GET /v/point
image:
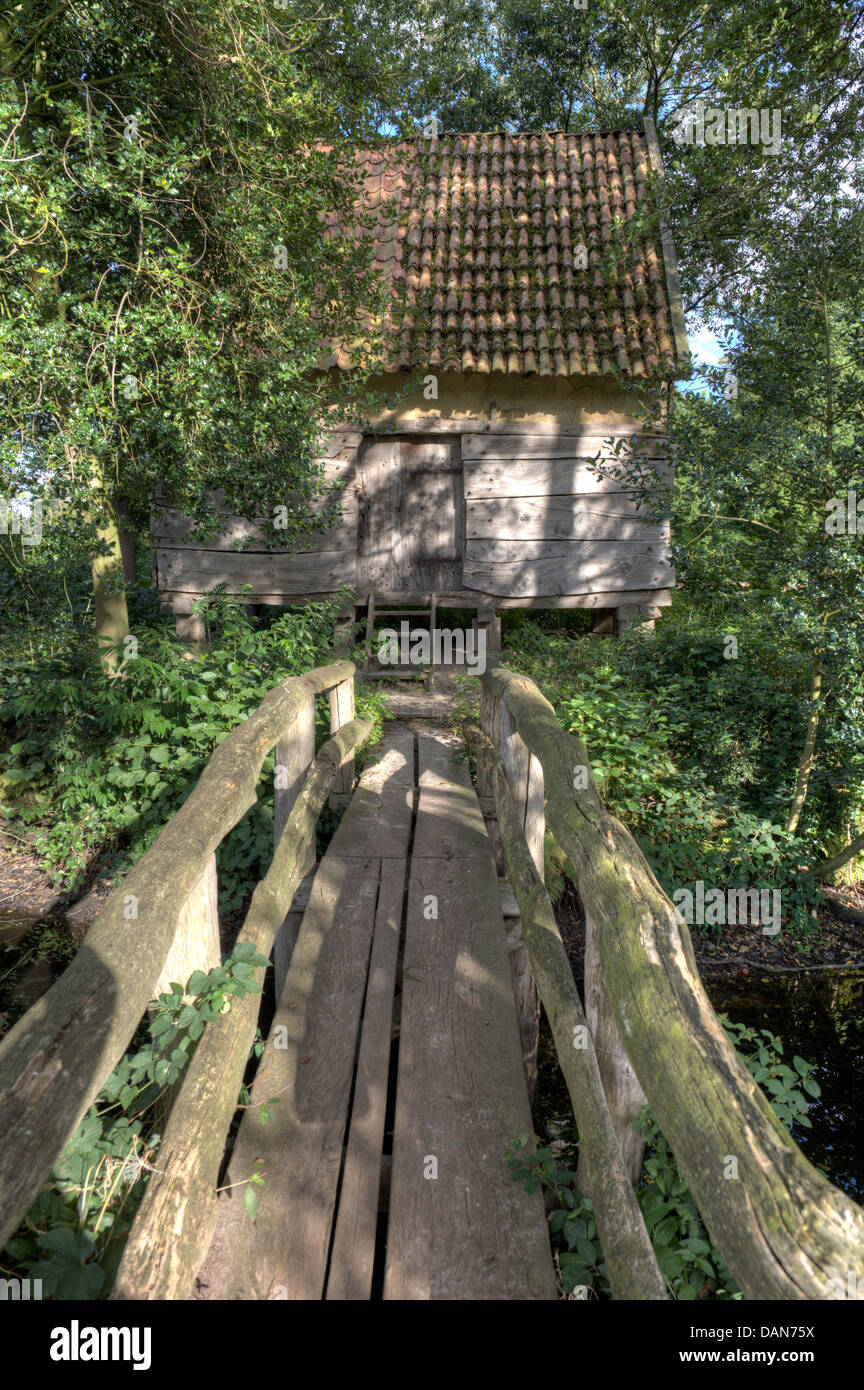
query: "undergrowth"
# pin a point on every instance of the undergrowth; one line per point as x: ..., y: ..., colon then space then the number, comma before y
x: 690, y: 1263
x: 73, y: 1236
x: 697, y: 754
x: 92, y: 769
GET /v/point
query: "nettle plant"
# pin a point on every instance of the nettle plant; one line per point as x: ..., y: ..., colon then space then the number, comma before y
x: 688, y: 1259
x: 72, y: 1238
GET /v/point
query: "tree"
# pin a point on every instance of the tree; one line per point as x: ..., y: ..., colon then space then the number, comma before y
x: 175, y: 190
x: 769, y: 478
x: 554, y: 64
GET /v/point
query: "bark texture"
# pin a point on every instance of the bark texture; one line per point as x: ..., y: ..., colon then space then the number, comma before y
x: 784, y: 1230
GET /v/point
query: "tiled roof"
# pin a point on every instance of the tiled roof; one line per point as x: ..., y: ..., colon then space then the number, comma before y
x: 481, y: 237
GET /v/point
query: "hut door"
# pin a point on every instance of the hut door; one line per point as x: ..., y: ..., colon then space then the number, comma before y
x: 410, y: 527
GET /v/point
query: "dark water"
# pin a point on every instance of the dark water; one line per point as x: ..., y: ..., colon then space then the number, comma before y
x: 33, y: 952
x: 819, y: 1017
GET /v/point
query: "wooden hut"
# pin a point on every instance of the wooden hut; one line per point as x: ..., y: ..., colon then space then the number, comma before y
x: 530, y: 321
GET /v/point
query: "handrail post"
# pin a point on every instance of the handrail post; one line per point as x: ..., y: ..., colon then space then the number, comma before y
x: 295, y: 753
x: 196, y: 944
x: 624, y: 1095
x: 341, y: 699
x: 489, y: 718
x: 525, y: 779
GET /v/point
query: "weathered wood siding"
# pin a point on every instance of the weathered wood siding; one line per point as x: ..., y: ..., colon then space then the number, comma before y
x: 542, y: 519
x: 188, y: 568
x: 511, y: 513
x: 410, y: 532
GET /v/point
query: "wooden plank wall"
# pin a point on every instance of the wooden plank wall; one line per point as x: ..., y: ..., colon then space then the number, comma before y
x: 540, y: 520
x: 541, y: 527
x: 409, y: 534
x: 190, y: 568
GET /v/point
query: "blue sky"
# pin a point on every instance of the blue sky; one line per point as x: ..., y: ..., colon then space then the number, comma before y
x: 705, y: 349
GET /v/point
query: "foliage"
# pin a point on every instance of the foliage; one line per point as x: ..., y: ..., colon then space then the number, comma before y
x: 72, y: 1238
x: 770, y: 471
x: 554, y: 65
x: 696, y: 760
x: 690, y: 1263
x: 153, y: 335
x: 96, y: 767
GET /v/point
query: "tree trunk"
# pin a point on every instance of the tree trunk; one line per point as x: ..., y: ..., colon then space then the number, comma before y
x: 109, y: 591
x: 830, y: 866
x: 805, y: 766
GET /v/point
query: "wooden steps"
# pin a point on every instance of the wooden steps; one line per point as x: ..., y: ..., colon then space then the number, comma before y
x: 460, y: 1098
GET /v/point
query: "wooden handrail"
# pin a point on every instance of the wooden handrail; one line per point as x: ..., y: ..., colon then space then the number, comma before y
x: 783, y: 1229
x: 55, y: 1060
x: 174, y: 1224
x: 630, y: 1260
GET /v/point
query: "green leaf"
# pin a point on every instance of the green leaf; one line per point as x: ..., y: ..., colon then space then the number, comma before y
x: 585, y: 1250
x: 666, y: 1232
x: 670, y: 1262
x: 63, y: 1240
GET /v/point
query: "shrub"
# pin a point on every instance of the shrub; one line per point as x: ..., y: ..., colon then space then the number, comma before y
x: 96, y: 767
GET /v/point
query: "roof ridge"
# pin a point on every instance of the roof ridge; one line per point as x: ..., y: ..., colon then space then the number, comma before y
x: 387, y: 141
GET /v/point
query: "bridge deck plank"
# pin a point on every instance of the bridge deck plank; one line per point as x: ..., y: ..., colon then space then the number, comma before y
x: 461, y: 1096
x: 469, y: 1232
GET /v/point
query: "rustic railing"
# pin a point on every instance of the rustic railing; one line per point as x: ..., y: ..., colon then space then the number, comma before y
x: 783, y: 1229
x: 160, y: 924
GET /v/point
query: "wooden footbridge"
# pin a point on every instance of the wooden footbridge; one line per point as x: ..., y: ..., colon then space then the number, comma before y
x: 399, y: 1063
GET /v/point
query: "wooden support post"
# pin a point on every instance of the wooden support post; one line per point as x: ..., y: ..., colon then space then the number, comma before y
x: 343, y: 634
x: 196, y: 943
x: 295, y: 752
x: 525, y: 779
x: 489, y: 622
x: 624, y: 1095
x: 628, y: 613
x: 489, y: 717
x: 190, y: 628
x: 342, y: 712
x: 603, y: 624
